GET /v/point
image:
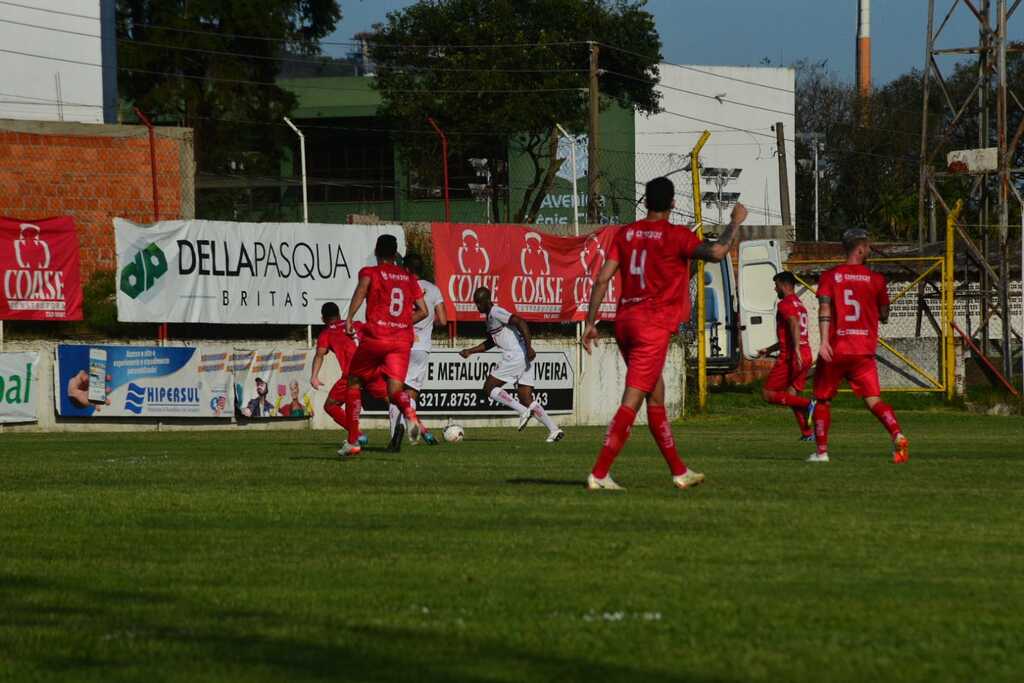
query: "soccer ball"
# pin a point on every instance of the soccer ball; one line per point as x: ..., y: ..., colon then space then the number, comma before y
x: 454, y: 433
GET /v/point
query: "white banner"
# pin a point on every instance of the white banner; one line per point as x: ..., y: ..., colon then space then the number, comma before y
x: 225, y: 272
x: 19, y: 387
x: 273, y: 383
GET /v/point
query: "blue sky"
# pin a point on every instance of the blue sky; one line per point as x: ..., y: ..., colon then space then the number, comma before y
x: 742, y: 32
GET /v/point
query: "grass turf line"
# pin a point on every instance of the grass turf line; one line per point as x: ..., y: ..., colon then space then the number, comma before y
x: 260, y: 556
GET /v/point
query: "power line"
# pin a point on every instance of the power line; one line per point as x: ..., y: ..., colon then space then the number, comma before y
x: 50, y: 11
x: 720, y: 100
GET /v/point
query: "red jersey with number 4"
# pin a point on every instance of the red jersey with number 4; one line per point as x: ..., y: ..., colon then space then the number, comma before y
x: 791, y: 307
x: 857, y: 294
x: 389, y: 300
x: 336, y: 340
x: 654, y: 260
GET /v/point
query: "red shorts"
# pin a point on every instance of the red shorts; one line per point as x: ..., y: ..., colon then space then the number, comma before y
x: 377, y: 388
x: 860, y: 371
x: 644, y: 348
x: 783, y: 376
x: 376, y: 357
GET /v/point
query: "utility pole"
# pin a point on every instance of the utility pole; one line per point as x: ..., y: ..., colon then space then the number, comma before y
x: 787, y: 218
x: 593, y: 163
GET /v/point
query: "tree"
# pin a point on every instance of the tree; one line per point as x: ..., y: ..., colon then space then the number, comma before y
x: 508, y: 72
x: 210, y: 64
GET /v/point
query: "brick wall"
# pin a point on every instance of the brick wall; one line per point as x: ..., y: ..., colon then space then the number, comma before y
x: 93, y: 173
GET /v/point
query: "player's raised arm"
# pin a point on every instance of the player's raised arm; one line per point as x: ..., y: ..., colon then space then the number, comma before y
x: 717, y: 251
x: 358, y: 297
x: 604, y: 277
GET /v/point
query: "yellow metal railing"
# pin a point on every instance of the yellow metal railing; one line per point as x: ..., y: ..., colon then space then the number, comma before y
x: 698, y: 219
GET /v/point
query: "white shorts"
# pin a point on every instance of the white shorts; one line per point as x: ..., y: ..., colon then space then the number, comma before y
x: 514, y: 367
x: 416, y: 377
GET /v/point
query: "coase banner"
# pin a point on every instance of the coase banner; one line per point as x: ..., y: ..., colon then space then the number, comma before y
x: 39, y: 270
x: 454, y: 385
x: 19, y: 387
x: 142, y: 381
x: 226, y: 272
x: 534, y: 275
x: 273, y: 383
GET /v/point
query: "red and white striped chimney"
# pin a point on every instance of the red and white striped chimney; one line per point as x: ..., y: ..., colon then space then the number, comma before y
x: 864, y: 47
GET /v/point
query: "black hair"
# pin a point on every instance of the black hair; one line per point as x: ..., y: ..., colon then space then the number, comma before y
x: 414, y: 263
x: 786, y: 277
x: 659, y: 194
x: 387, y: 247
x: 330, y: 310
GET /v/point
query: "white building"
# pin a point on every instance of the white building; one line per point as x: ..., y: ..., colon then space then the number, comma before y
x: 59, y: 60
x: 739, y: 106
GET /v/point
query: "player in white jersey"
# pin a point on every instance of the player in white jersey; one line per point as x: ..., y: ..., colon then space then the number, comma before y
x: 420, y: 354
x: 511, y: 334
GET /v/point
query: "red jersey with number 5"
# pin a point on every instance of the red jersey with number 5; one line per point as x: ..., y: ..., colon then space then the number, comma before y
x: 791, y: 307
x: 857, y: 294
x: 654, y: 260
x: 389, y: 300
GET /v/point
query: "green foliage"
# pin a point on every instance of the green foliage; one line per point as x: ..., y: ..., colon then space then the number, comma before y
x: 533, y: 47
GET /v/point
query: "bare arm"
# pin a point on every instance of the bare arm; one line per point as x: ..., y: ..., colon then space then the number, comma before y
x: 883, y: 314
x: 768, y: 350
x: 318, y: 362
x: 604, y: 277
x: 419, y: 310
x: 485, y: 345
x: 717, y: 251
x: 524, y: 330
x: 825, y: 326
x: 358, y: 297
x: 440, y: 316
x: 793, y: 328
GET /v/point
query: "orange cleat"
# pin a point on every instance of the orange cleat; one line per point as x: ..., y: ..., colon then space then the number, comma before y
x: 901, y: 450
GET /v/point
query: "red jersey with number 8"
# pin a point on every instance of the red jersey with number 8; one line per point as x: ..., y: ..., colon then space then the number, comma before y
x: 857, y: 295
x: 389, y: 301
x: 654, y: 260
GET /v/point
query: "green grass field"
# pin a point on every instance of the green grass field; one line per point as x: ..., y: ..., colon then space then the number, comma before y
x: 260, y: 556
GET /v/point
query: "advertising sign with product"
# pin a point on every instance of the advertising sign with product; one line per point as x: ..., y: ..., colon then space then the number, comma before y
x: 39, y: 275
x: 454, y: 385
x: 19, y: 387
x: 225, y: 272
x: 273, y: 383
x: 534, y: 275
x: 142, y: 381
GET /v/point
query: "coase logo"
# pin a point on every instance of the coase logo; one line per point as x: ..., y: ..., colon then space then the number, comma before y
x: 142, y: 273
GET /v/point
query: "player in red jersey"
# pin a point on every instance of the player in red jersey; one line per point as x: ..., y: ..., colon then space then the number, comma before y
x: 334, y: 339
x: 853, y: 299
x: 394, y: 302
x: 655, y: 256
x: 788, y: 376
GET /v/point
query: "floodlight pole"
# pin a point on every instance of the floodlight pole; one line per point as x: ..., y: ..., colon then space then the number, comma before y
x: 305, y: 203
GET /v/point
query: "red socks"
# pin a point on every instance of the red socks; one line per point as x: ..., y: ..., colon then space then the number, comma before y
x: 353, y: 406
x: 784, y: 398
x: 337, y: 413
x: 661, y: 430
x: 801, y: 421
x: 883, y: 411
x: 401, y: 400
x: 614, y: 440
x: 822, y: 422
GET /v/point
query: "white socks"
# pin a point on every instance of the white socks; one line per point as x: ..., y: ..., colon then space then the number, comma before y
x: 394, y: 415
x: 503, y: 397
x: 544, y: 418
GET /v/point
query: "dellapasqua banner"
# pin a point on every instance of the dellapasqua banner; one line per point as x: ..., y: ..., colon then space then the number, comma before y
x: 142, y: 381
x: 39, y: 275
x: 273, y: 383
x: 226, y: 272
x: 19, y: 387
x: 534, y: 275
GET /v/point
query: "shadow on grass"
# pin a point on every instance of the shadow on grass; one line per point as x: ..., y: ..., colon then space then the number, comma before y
x: 546, y: 482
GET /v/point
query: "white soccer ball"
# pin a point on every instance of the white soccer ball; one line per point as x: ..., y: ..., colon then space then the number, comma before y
x: 454, y: 433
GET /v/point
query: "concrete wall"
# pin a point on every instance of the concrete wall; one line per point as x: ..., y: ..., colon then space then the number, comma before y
x: 599, y: 388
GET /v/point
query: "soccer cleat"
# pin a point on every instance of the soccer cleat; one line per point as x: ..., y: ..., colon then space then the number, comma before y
x: 808, y: 438
x: 817, y: 457
x: 688, y: 479
x: 901, y: 450
x: 363, y: 439
x: 555, y: 436
x: 810, y: 411
x: 348, y: 449
x: 525, y: 417
x: 606, y: 484
x: 395, y: 445
x: 427, y: 437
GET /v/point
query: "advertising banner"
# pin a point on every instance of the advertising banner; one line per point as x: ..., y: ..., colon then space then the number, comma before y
x: 142, y: 381
x: 273, y: 383
x: 39, y: 276
x: 226, y: 272
x: 19, y: 387
x: 454, y: 385
x: 534, y: 275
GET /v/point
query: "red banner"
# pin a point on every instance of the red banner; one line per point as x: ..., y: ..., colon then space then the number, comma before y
x: 39, y: 276
x: 534, y: 275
